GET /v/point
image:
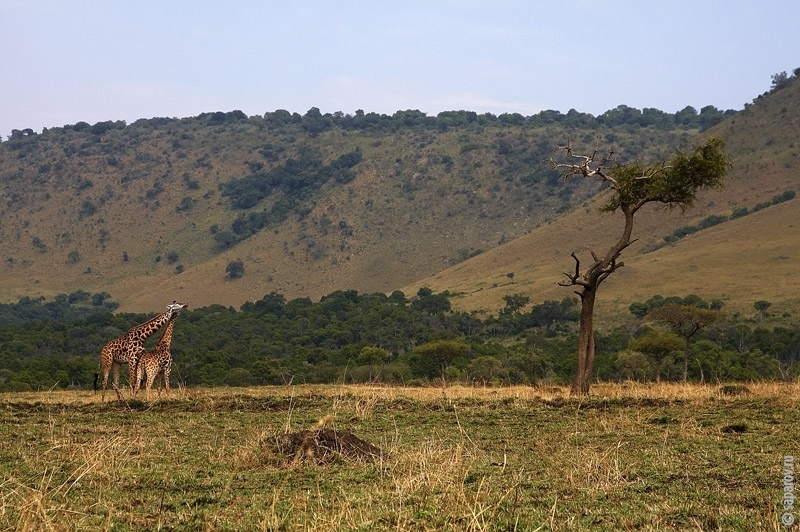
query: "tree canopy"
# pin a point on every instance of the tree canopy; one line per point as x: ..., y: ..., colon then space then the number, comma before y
x: 674, y: 184
x: 354, y: 337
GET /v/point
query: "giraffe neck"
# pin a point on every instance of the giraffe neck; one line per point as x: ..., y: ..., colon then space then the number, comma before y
x: 166, y: 338
x: 147, y: 329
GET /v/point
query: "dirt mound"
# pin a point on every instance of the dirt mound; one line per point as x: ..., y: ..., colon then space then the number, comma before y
x: 325, y: 445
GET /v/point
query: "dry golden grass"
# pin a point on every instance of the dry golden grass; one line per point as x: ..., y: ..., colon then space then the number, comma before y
x: 630, y: 457
x: 363, y: 399
x: 739, y: 261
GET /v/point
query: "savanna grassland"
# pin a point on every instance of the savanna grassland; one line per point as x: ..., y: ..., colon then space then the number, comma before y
x: 630, y: 457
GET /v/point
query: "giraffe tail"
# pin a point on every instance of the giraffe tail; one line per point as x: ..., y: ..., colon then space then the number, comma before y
x: 96, y: 378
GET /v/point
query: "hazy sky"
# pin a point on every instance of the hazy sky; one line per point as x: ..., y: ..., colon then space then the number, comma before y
x: 66, y: 61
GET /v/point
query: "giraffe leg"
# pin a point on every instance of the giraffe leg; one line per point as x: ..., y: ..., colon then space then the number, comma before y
x: 115, y: 367
x: 167, y: 371
x: 106, y: 361
x: 106, y: 371
x: 151, y: 376
x: 132, y: 373
x: 139, y: 376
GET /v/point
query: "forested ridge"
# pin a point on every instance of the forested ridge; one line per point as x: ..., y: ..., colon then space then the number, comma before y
x: 353, y: 337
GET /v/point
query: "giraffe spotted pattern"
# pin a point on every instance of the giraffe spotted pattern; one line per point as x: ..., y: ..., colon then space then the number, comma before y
x: 128, y: 348
x: 151, y: 363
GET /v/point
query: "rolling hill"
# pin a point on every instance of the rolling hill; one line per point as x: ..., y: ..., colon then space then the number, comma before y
x: 158, y: 209
x: 746, y: 258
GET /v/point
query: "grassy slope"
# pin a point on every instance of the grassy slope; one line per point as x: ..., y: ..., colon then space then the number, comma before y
x: 409, y: 217
x: 739, y: 261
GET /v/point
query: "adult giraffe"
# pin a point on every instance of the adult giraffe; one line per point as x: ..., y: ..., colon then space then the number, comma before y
x: 151, y: 363
x: 128, y: 348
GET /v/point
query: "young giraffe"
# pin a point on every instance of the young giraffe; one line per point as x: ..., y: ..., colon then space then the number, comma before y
x: 128, y: 348
x: 153, y: 362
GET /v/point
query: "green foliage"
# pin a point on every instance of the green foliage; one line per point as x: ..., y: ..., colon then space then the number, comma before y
x: 514, y: 302
x: 64, y: 308
x: 781, y: 80
x: 87, y: 209
x: 485, y: 369
x: 298, y: 180
x: 631, y: 365
x: 431, y: 303
x: 352, y: 337
x: 641, y: 309
x: 761, y: 306
x: 39, y: 244
x: 688, y: 117
x: 432, y: 359
x: 224, y: 239
x: 675, y: 183
x: 235, y: 269
x: 658, y: 345
x: 551, y: 312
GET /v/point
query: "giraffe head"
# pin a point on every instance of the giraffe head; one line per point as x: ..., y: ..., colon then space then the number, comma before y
x: 174, y: 308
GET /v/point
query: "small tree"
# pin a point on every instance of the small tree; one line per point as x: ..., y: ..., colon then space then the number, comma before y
x: 431, y: 303
x: 484, y: 369
x: 657, y: 345
x: 444, y: 351
x: 780, y: 80
x: 235, y: 269
x: 514, y: 303
x: 761, y: 306
x: 675, y: 184
x: 686, y: 321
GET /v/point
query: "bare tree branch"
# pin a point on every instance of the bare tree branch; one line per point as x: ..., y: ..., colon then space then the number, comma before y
x: 575, y: 279
x: 586, y: 165
x: 654, y: 171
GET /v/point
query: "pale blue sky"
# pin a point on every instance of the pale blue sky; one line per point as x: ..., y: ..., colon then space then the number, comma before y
x: 63, y: 61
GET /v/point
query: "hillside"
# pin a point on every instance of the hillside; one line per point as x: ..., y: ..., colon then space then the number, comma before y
x: 159, y: 209
x: 744, y: 259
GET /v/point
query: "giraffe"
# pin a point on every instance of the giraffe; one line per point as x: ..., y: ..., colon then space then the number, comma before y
x: 151, y: 363
x: 128, y: 348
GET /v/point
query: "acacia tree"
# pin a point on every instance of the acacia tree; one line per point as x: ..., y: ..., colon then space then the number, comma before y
x: 761, y: 306
x: 685, y: 320
x: 658, y: 345
x: 443, y: 351
x: 674, y: 184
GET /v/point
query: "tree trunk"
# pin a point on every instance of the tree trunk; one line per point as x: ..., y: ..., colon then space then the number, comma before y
x: 686, y: 359
x: 583, y: 374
